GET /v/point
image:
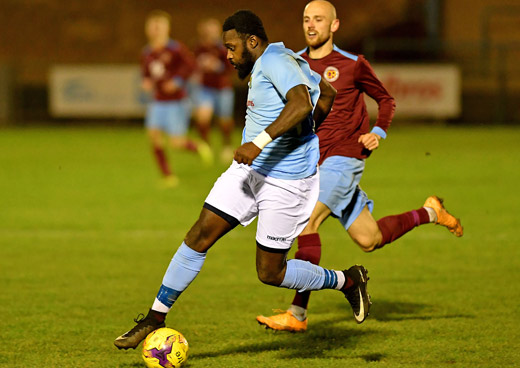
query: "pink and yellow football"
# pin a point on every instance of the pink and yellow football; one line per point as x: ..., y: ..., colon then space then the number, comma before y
x: 165, y: 348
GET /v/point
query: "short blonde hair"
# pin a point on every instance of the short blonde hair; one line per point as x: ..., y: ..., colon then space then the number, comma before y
x: 159, y: 14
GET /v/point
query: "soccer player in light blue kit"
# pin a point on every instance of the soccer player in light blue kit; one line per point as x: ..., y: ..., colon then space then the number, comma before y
x: 273, y: 176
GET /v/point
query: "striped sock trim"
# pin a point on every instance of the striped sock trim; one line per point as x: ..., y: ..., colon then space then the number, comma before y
x: 416, y: 218
x: 331, y: 279
x: 167, y: 296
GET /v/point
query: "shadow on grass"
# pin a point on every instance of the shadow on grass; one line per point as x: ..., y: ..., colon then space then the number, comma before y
x: 318, y: 342
x: 325, y: 336
x: 374, y: 357
x: 386, y: 310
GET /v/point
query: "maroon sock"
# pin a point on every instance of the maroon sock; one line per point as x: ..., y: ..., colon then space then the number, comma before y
x: 204, y: 130
x: 190, y: 145
x: 226, y: 139
x: 309, y: 249
x: 393, y: 227
x: 158, y: 316
x: 162, y: 161
x: 226, y: 129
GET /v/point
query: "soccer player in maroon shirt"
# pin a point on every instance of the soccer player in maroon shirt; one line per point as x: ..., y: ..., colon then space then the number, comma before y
x: 214, y: 94
x: 345, y: 142
x: 166, y: 66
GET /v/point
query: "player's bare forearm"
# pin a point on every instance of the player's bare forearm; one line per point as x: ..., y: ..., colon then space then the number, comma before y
x: 324, y: 104
x: 297, y: 108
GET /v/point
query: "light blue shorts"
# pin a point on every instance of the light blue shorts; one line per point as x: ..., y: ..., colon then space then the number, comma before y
x: 221, y: 100
x: 340, y: 190
x: 171, y: 117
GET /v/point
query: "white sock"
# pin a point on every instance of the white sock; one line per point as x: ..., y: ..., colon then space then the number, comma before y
x: 431, y: 213
x: 298, y: 312
x: 341, y: 280
x: 160, y: 307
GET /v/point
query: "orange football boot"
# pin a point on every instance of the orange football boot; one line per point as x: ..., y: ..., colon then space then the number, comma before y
x: 283, y: 322
x: 444, y: 218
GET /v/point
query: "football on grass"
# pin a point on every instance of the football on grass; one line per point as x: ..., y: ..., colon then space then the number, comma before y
x: 165, y: 348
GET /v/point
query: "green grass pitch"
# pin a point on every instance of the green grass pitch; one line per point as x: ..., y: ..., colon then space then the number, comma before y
x: 86, y: 235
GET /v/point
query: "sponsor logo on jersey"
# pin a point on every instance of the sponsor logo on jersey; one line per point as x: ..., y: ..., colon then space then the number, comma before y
x: 276, y: 238
x: 250, y: 103
x: 331, y: 74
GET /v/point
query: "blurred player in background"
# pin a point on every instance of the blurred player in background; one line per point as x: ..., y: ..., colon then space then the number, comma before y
x: 214, y: 95
x: 166, y: 66
x: 273, y: 176
x: 345, y: 142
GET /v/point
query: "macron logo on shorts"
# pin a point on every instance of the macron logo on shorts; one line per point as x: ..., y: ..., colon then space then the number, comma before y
x: 276, y: 238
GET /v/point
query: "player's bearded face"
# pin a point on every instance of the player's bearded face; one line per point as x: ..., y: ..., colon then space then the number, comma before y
x: 317, y: 34
x: 245, y: 64
x: 238, y: 54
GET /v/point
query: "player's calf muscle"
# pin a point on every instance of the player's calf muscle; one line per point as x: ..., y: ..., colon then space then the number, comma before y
x: 196, y: 240
x: 270, y: 267
x: 270, y: 277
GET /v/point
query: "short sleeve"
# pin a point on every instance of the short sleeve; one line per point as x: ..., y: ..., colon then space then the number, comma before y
x: 283, y: 71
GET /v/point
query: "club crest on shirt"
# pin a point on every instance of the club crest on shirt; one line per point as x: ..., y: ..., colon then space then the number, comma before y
x: 331, y: 74
x: 157, y: 69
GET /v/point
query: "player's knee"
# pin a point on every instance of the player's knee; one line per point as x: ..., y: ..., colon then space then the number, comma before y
x: 311, y: 228
x: 367, y: 243
x: 157, y: 143
x: 178, y: 142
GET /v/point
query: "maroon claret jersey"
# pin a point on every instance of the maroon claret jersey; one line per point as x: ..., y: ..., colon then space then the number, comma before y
x: 220, y: 78
x: 174, y: 61
x: 352, y: 76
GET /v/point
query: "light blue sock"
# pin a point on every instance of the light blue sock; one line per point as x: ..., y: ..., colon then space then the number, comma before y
x: 184, y: 267
x: 303, y: 275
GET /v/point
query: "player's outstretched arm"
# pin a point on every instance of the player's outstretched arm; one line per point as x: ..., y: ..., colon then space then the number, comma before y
x: 297, y: 108
x: 324, y: 104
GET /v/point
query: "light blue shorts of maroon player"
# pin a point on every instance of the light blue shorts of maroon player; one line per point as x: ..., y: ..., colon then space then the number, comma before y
x: 340, y: 190
x: 171, y: 117
x: 222, y: 101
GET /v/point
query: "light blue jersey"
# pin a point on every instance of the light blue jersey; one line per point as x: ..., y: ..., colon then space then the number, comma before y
x: 295, y: 154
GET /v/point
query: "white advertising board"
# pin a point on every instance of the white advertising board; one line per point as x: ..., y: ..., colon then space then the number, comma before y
x: 420, y: 90
x: 96, y: 91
